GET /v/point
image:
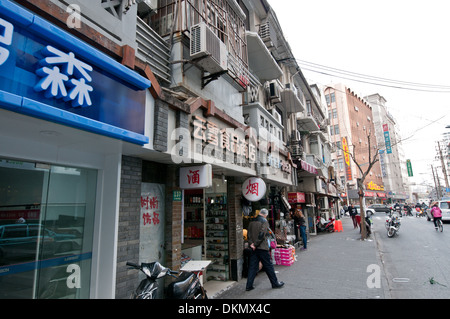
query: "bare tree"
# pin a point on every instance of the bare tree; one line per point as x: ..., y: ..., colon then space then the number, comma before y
x: 373, y: 158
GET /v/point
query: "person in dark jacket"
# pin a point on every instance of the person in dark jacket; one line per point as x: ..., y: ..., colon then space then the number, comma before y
x: 258, y: 234
x: 300, y: 226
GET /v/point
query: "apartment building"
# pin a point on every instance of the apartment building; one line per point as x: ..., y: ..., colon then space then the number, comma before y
x: 353, y: 132
x: 144, y: 132
x: 392, y: 158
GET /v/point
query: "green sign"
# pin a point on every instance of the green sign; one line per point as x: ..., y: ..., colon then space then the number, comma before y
x: 177, y: 196
x: 409, y: 168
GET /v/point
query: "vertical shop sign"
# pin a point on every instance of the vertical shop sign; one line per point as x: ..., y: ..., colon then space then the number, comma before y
x: 151, y: 235
x: 387, y: 139
x: 409, y: 168
x: 348, y: 169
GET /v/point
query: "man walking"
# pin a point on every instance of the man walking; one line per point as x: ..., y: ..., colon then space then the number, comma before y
x: 258, y: 233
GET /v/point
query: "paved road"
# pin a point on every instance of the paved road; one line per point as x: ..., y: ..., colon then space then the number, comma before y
x: 414, y: 264
x: 417, y: 261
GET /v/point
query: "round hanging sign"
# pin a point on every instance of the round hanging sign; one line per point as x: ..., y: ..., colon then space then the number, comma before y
x: 253, y: 189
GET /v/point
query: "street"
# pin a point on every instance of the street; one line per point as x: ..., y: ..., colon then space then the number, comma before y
x: 413, y: 264
x: 417, y: 261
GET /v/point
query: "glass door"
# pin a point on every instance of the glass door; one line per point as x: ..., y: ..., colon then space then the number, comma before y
x: 46, y: 230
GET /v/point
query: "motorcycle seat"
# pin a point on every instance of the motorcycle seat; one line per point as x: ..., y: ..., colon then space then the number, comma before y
x: 179, y: 288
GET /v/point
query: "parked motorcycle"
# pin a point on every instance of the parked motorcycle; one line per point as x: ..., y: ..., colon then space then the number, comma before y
x: 186, y: 286
x: 393, y: 225
x: 325, y: 226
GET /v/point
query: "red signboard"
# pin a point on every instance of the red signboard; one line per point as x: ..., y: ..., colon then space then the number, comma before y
x: 296, y: 198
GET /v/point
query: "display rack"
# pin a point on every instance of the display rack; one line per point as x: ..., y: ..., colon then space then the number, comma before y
x: 194, y: 233
x: 216, y: 222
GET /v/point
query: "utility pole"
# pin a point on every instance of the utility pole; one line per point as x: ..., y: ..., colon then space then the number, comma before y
x: 438, y: 191
x: 444, y: 171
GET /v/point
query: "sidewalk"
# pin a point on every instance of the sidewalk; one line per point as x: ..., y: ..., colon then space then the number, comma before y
x: 335, y: 266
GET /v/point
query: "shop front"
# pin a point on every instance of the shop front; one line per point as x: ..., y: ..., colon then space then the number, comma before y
x: 64, y: 121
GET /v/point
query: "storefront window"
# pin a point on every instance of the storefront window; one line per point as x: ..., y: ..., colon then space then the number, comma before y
x: 46, y: 230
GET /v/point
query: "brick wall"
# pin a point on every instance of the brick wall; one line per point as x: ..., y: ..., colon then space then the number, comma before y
x: 173, y: 221
x: 161, y: 125
x: 129, y: 222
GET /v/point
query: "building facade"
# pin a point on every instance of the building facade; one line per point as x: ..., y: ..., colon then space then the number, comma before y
x: 132, y: 132
x: 392, y: 159
x: 353, y: 135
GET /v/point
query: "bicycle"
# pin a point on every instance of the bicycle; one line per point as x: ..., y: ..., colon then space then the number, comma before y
x: 439, y: 225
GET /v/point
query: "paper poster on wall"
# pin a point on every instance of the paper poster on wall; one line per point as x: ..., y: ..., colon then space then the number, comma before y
x: 151, y: 235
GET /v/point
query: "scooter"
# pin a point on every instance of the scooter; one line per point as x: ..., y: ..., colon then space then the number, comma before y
x: 393, y: 225
x: 186, y: 286
x: 327, y: 226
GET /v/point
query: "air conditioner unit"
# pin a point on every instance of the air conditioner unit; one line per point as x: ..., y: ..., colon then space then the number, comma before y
x: 275, y: 91
x: 276, y: 115
x: 146, y: 5
x: 291, y: 86
x: 205, y: 45
x: 296, y: 135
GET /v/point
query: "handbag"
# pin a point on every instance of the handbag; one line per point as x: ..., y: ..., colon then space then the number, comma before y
x: 272, y: 240
x: 273, y: 243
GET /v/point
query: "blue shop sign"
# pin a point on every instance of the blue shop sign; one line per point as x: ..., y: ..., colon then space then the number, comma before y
x: 47, y: 73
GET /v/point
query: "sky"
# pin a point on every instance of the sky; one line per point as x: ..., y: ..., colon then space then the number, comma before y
x: 396, y: 40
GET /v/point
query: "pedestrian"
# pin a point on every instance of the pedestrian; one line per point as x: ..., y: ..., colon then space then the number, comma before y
x: 258, y: 234
x: 300, y: 225
x: 352, y: 212
x: 436, y: 213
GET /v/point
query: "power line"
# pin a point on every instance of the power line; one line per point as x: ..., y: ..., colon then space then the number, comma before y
x: 358, y: 77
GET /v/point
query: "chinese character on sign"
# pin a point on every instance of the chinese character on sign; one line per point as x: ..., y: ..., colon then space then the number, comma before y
x: 199, y: 128
x: 193, y: 177
x: 148, y: 219
x: 64, y: 76
x: 5, y: 39
x: 149, y: 203
x: 252, y: 188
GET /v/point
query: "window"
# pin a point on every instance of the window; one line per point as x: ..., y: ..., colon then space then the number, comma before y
x: 333, y: 98
x: 341, y: 164
x: 335, y: 113
x: 336, y: 129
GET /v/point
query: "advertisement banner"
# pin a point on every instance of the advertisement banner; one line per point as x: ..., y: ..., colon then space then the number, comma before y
x: 348, y: 169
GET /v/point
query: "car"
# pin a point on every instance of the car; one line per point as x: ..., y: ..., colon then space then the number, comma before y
x: 369, y: 211
x: 18, y: 242
x: 444, y: 205
x: 380, y: 208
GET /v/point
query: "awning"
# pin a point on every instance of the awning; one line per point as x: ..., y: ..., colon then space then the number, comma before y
x: 261, y: 62
x: 308, y: 167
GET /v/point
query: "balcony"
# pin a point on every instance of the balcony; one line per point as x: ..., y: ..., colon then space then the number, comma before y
x: 261, y: 62
x: 292, y: 99
x: 307, y: 122
x: 264, y: 122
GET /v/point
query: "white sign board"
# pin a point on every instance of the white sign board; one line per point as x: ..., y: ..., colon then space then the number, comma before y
x: 196, y: 177
x: 253, y: 189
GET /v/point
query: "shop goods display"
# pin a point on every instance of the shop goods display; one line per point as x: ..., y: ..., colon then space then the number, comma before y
x: 284, y: 256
